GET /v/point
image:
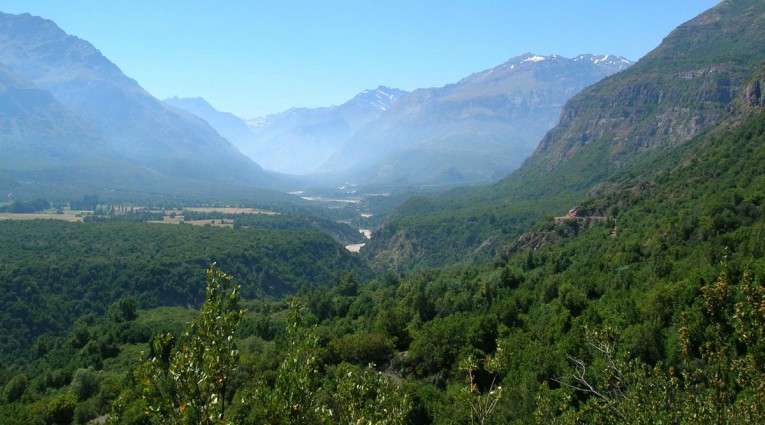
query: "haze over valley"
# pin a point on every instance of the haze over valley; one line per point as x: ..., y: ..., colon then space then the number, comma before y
x: 533, y: 237
x: 473, y: 131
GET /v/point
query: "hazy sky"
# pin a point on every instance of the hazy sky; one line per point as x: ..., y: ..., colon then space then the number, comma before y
x: 257, y: 57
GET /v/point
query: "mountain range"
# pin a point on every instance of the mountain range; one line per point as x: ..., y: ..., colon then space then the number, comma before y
x: 682, y: 93
x: 81, y: 121
x: 297, y: 140
x: 79, y: 124
x: 615, y: 277
x: 475, y: 130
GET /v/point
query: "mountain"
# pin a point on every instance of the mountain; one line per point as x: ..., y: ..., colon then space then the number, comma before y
x: 136, y: 128
x: 50, y: 151
x: 675, y: 95
x: 676, y: 92
x: 298, y: 140
x: 475, y: 130
x: 38, y: 131
x: 231, y: 127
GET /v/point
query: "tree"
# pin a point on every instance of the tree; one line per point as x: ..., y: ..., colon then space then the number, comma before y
x: 298, y: 396
x: 15, y: 388
x: 189, y: 384
x: 60, y: 410
x: 482, y: 404
x: 722, y: 379
x: 364, y: 396
x: 291, y: 400
x: 85, y: 384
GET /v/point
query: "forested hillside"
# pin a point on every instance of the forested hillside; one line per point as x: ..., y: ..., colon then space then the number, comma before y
x: 619, y: 277
x: 653, y: 281
x: 53, y: 272
x: 682, y: 88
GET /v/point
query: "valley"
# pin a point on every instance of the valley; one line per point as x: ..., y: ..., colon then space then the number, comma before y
x: 550, y: 240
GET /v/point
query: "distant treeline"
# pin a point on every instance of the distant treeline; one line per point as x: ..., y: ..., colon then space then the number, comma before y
x: 22, y: 207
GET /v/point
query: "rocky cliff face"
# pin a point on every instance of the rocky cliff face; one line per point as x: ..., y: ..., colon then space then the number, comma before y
x: 631, y: 114
x: 676, y: 92
x: 753, y: 95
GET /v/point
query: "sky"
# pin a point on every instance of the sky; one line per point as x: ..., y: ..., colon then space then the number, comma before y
x: 253, y: 57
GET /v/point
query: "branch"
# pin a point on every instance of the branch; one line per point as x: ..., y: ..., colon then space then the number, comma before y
x: 586, y: 387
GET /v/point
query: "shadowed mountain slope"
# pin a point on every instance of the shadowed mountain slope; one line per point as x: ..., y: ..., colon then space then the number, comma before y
x: 134, y: 126
x: 38, y: 131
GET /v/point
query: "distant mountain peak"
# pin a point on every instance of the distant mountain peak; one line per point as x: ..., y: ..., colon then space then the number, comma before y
x: 380, y: 98
x: 534, y: 58
x: 194, y: 103
x: 257, y: 123
x: 609, y: 60
x: 530, y: 61
x: 380, y: 89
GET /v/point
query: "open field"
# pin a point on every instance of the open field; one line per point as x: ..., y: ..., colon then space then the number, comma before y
x: 71, y: 216
x: 178, y: 219
x: 170, y: 217
x: 228, y: 210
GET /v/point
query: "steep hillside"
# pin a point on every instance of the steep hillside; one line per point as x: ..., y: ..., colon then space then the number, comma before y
x: 683, y: 87
x: 475, y: 130
x: 675, y: 92
x: 48, y: 151
x: 37, y: 130
x: 135, y: 126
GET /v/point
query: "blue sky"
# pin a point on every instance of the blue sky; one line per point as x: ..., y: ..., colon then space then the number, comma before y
x: 257, y: 57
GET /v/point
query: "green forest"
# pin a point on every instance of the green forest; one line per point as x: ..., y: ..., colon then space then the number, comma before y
x: 646, y: 304
x: 617, y: 277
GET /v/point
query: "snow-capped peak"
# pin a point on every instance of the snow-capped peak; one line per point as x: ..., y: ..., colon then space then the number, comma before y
x: 534, y: 58
x: 380, y: 98
x: 611, y: 61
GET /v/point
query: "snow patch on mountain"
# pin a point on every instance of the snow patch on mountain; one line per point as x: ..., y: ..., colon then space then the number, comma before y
x: 612, y: 61
x: 535, y: 58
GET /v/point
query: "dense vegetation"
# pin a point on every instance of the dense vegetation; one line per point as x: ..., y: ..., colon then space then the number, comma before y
x: 645, y: 303
x: 53, y: 272
x: 656, y: 281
